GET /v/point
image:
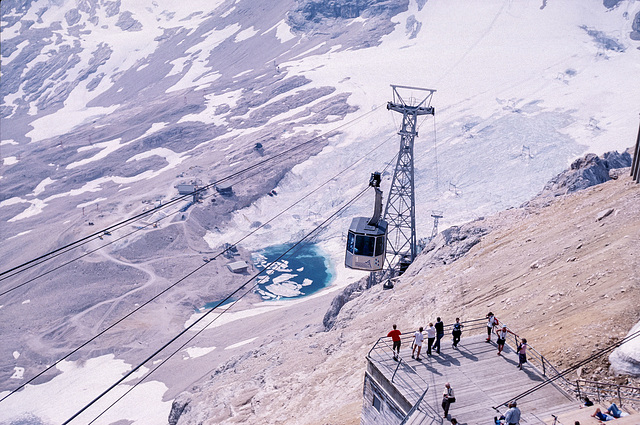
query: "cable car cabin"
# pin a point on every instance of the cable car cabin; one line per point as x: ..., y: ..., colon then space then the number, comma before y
x: 366, y: 245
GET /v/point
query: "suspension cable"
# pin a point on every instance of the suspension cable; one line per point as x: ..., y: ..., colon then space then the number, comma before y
x: 353, y: 164
x: 40, y: 259
x: 109, y: 243
x: 188, y: 328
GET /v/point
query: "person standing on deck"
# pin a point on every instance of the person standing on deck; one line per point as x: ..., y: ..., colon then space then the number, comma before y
x: 491, y: 323
x: 439, y: 334
x: 395, y: 337
x: 522, y: 353
x: 502, y: 338
x: 417, y: 343
x: 431, y: 336
x: 448, y: 397
x: 456, y: 332
x: 512, y: 417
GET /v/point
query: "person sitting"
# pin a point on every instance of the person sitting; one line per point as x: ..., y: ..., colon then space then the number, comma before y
x: 587, y: 402
x: 602, y: 416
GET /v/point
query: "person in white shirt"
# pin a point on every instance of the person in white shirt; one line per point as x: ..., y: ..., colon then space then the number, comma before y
x: 431, y: 336
x: 417, y: 343
x: 512, y: 417
x: 502, y: 338
x: 492, y: 321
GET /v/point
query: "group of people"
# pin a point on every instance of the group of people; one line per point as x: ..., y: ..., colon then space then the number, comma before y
x: 435, y: 333
x: 613, y: 412
x: 493, y: 325
x: 434, y: 336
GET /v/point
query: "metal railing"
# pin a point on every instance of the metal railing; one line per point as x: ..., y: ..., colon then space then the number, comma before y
x: 603, y: 391
x: 381, y: 354
x: 414, y: 408
x: 540, y: 362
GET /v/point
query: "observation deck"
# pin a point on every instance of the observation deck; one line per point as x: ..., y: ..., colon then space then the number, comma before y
x: 408, y: 391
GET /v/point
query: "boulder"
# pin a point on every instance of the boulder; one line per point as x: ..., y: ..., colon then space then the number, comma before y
x: 626, y: 358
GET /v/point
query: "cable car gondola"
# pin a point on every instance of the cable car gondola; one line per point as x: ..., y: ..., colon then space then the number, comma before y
x: 367, y: 237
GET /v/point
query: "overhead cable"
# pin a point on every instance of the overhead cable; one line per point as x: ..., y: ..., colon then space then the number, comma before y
x: 188, y: 328
x: 142, y: 305
x: 44, y: 257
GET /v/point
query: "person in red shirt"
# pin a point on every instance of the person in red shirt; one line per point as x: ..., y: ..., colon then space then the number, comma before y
x: 395, y: 337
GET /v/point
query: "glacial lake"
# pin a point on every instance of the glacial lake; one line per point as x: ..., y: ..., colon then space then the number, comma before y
x: 303, y: 271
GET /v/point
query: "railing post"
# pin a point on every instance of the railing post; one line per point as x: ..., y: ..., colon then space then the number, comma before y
x: 578, y: 388
x: 544, y: 371
x: 394, y: 372
x: 619, y: 398
x: 598, y: 392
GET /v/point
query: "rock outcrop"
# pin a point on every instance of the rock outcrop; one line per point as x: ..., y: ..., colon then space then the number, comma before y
x: 626, y: 358
x: 352, y: 291
x: 179, y: 406
x: 587, y: 171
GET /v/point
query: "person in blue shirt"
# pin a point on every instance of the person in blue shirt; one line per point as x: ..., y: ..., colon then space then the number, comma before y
x: 456, y: 332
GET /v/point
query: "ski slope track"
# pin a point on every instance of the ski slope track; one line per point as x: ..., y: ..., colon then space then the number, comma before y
x: 107, y: 106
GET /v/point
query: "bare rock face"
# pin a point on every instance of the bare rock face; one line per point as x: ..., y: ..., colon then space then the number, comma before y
x: 453, y: 243
x: 179, y: 406
x: 587, y: 171
x: 635, y: 34
x: 349, y: 293
x: 316, y: 10
x: 329, y: 16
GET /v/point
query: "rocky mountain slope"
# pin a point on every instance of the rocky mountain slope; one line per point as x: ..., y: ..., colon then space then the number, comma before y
x: 564, y: 273
x: 107, y: 105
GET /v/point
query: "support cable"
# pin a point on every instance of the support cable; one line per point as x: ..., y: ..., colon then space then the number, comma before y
x: 51, y: 254
x: 188, y: 328
x: 353, y: 164
x: 435, y: 152
x: 126, y: 235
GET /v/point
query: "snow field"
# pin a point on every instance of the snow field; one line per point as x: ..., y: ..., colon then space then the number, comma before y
x: 82, y: 382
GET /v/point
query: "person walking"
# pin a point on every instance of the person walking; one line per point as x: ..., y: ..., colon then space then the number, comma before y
x: 439, y: 334
x: 456, y: 332
x: 431, y: 336
x: 492, y: 322
x: 395, y: 337
x: 417, y: 343
x: 522, y: 353
x: 448, y: 397
x: 512, y: 417
x: 502, y: 338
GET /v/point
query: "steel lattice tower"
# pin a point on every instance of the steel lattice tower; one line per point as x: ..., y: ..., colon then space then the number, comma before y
x: 400, y: 211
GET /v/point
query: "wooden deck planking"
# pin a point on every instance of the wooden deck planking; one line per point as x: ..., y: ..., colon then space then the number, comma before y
x: 480, y: 378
